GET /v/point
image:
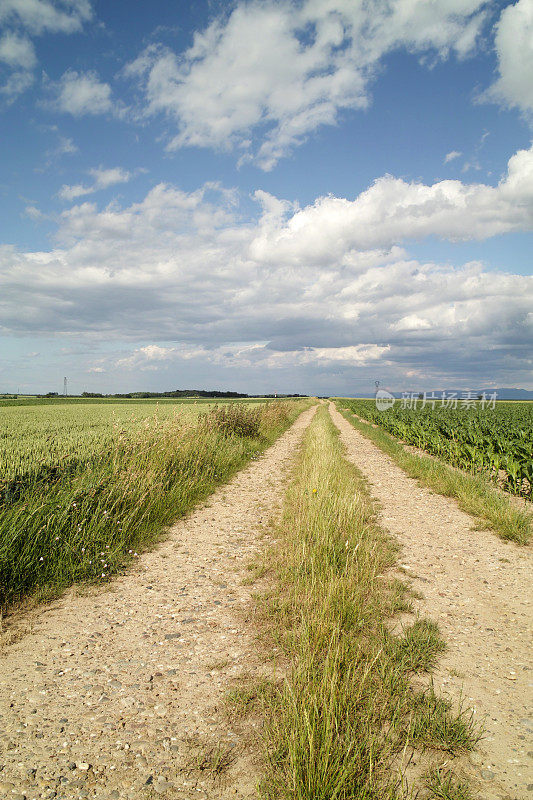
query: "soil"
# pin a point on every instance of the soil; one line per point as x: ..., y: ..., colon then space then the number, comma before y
x: 479, y: 590
x: 120, y: 693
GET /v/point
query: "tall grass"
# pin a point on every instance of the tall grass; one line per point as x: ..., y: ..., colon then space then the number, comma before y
x: 347, y: 708
x: 84, y: 520
x: 473, y: 493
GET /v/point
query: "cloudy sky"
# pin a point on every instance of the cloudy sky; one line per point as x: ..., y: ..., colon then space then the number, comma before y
x: 301, y: 196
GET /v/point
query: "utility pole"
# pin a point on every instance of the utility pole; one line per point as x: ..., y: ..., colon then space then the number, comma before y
x: 64, y: 387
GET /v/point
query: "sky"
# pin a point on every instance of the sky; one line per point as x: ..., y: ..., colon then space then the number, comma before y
x: 273, y: 196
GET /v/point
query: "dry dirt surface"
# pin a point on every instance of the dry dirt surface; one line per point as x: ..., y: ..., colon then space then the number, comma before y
x: 478, y: 588
x: 118, y: 692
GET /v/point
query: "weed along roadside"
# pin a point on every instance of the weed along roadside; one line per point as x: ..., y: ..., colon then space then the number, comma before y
x: 348, y: 714
x: 85, y: 520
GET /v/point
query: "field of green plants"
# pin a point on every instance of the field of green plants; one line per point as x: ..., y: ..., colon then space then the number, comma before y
x: 42, y: 435
x: 82, y: 486
x: 497, y: 442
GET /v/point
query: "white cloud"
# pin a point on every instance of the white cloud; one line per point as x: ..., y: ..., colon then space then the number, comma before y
x: 33, y: 17
x: 514, y: 46
x: 328, y: 285
x: 452, y: 155
x: 66, y: 146
x: 247, y: 355
x: 80, y: 93
x: 103, y: 179
x: 277, y: 71
x: 18, y: 54
x: 393, y: 209
x: 144, y: 357
x: 40, y: 16
x: 34, y: 213
x: 16, y: 84
x: 17, y: 51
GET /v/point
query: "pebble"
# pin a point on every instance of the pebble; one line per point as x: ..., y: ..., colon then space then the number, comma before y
x: 487, y: 774
x: 82, y: 765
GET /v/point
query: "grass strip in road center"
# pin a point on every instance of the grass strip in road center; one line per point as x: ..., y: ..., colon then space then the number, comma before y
x: 347, y: 712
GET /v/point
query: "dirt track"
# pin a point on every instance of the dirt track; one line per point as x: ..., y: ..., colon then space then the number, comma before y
x: 119, y: 693
x: 478, y: 588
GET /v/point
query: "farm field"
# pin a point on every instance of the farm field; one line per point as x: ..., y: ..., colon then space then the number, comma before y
x: 38, y: 434
x: 83, y: 486
x: 497, y: 443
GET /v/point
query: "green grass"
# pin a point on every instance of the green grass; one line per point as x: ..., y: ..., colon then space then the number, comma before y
x: 347, y: 708
x: 83, y: 518
x: 473, y: 493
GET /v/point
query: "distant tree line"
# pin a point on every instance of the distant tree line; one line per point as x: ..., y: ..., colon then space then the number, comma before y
x: 175, y: 393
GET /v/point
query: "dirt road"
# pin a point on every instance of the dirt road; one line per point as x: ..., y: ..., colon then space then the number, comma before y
x: 119, y: 693
x: 479, y: 589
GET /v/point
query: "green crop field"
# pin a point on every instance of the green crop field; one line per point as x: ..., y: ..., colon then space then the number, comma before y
x: 84, y: 484
x: 37, y: 435
x: 497, y: 442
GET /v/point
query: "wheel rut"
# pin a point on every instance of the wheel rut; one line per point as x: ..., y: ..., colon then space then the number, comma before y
x: 478, y: 588
x: 118, y: 692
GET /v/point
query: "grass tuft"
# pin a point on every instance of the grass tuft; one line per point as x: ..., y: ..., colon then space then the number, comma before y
x: 443, y: 785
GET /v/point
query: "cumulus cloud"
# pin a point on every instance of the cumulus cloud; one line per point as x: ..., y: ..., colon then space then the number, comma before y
x: 15, y: 84
x: 269, y: 74
x: 103, y: 179
x: 257, y: 355
x: 331, y: 284
x: 33, y: 17
x: 81, y: 93
x: 40, y: 16
x: 17, y: 51
x: 393, y: 209
x: 18, y: 55
x: 147, y: 357
x: 514, y: 47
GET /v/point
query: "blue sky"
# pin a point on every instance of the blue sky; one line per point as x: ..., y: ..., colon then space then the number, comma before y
x: 266, y: 196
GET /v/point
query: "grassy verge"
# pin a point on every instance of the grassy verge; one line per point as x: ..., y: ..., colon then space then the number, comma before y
x: 472, y: 492
x: 337, y: 725
x: 87, y: 521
